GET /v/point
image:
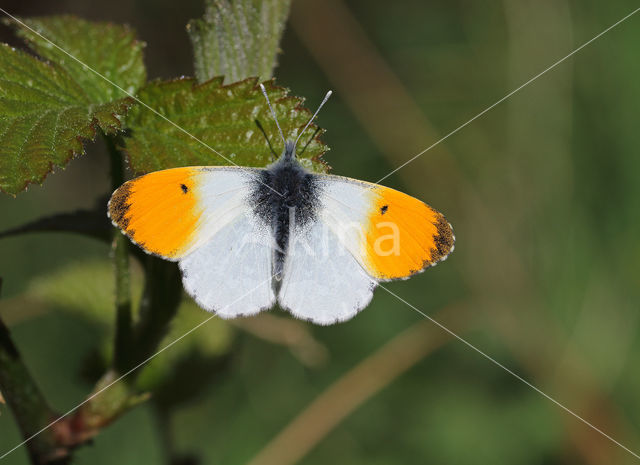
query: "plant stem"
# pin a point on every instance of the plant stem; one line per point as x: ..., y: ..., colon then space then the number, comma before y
x: 26, y: 401
x: 159, y: 303
x: 120, y: 249
x: 160, y: 300
x: 114, y: 397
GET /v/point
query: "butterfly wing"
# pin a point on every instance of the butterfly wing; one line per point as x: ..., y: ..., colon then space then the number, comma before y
x: 391, y: 234
x: 231, y: 273
x: 363, y: 233
x: 200, y: 217
x: 322, y: 281
x: 172, y: 212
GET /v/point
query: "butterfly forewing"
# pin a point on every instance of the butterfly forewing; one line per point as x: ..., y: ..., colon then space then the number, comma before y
x: 173, y: 212
x: 391, y: 234
x: 202, y: 217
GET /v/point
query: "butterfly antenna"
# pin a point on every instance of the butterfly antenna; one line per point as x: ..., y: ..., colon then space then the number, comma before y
x: 273, y: 113
x: 324, y: 100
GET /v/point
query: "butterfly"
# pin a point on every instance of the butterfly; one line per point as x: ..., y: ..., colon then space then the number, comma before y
x: 246, y: 238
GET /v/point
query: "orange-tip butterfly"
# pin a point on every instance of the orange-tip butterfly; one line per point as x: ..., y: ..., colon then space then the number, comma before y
x: 246, y: 238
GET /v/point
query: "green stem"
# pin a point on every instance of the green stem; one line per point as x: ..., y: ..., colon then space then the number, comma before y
x: 133, y: 344
x: 122, y: 347
x: 120, y: 250
x: 26, y: 401
x: 160, y: 301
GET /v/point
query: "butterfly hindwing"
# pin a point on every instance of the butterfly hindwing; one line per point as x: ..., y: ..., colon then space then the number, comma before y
x: 231, y: 273
x: 322, y: 281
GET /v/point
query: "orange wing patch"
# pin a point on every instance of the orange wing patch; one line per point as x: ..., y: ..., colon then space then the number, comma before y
x: 159, y: 211
x: 404, y: 236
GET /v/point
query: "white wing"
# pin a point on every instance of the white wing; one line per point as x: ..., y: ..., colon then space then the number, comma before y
x: 231, y: 273
x: 322, y: 281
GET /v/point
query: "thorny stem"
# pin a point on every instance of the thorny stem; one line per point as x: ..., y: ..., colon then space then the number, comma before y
x: 27, y: 403
x: 159, y: 304
x: 120, y: 252
x: 133, y: 344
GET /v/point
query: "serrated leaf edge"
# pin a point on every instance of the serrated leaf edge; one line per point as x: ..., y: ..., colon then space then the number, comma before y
x: 15, y: 25
x: 124, y: 106
x: 269, y: 85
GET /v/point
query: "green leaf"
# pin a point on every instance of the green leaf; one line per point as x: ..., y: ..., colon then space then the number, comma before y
x: 222, y: 116
x: 84, y: 289
x: 44, y: 116
x: 48, y: 109
x: 238, y: 38
x: 109, y: 49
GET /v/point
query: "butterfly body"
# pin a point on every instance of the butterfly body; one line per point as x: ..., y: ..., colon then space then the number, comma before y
x: 285, y: 196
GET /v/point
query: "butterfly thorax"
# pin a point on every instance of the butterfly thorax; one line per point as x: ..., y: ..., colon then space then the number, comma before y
x: 286, y: 199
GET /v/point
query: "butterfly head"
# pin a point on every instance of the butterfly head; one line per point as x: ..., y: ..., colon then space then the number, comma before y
x: 289, y: 152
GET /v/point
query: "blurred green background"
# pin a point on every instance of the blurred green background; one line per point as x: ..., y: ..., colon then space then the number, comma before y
x: 544, y: 197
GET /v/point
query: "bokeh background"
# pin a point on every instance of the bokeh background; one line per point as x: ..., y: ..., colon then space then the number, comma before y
x: 544, y: 195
